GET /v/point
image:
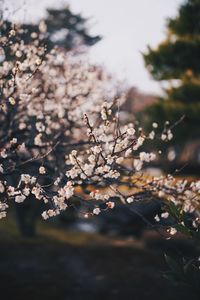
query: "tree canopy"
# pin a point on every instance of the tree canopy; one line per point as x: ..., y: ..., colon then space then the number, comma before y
x: 176, y: 62
x: 61, y: 27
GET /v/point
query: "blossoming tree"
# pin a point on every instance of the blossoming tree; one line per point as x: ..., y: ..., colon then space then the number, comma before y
x: 60, y: 131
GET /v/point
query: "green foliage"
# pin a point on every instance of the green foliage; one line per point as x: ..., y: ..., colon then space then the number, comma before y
x: 174, y: 211
x: 73, y: 27
x: 173, y: 110
x: 185, y: 271
x: 182, y: 220
x: 176, y: 60
x: 187, y: 21
x: 187, y: 93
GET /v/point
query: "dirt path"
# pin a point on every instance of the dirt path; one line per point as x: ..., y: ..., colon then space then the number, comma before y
x: 34, y: 270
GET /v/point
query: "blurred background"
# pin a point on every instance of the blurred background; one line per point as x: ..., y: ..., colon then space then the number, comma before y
x: 152, y: 48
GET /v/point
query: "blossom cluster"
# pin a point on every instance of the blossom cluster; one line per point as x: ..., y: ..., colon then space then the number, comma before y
x: 60, y: 130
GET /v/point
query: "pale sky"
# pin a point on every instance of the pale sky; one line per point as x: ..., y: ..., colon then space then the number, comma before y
x: 127, y: 26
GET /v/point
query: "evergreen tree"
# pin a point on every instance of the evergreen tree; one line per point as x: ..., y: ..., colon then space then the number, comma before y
x: 71, y: 28
x: 61, y: 27
x: 177, y: 62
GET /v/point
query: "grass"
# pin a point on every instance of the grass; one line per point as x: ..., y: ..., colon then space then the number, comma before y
x: 48, y: 232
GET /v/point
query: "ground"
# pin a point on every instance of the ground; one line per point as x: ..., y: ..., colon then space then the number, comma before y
x: 68, y: 265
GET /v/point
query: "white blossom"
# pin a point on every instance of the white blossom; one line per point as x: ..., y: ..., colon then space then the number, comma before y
x: 2, y: 188
x: 165, y: 215
x: 155, y: 125
x: 20, y: 198
x: 130, y: 199
x: 42, y: 170
x: 96, y: 211
x: 130, y: 131
x: 172, y: 231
